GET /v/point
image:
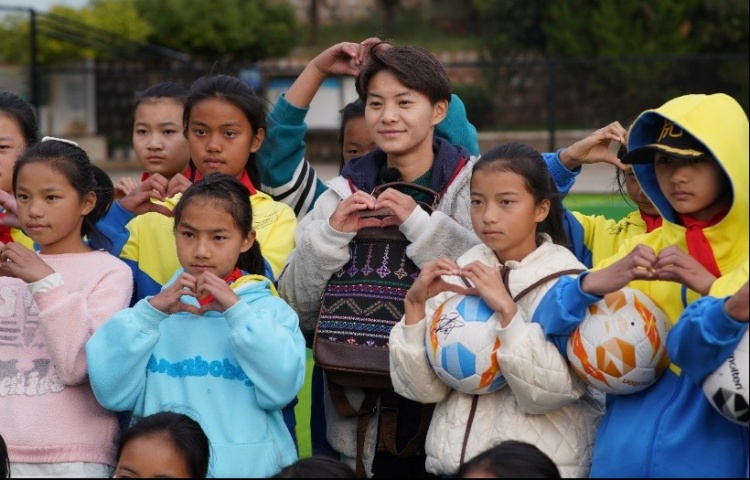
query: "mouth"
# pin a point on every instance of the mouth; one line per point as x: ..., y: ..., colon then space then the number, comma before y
x: 213, y: 163
x: 34, y: 227
x: 155, y: 159
x: 681, y: 195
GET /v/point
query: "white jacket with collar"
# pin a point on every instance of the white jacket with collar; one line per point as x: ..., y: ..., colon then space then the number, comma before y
x: 544, y: 402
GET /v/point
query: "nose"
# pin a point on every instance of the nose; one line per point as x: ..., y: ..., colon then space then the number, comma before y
x: 389, y: 113
x: 154, y: 142
x: 35, y: 209
x: 213, y: 145
x: 488, y: 215
x: 202, y: 249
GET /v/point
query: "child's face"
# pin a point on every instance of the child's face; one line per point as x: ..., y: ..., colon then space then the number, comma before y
x: 12, y: 145
x: 221, y: 137
x: 357, y: 139
x: 157, y: 137
x: 152, y: 456
x: 208, y: 239
x: 50, y: 210
x: 503, y: 213
x: 692, y: 187
x: 633, y: 188
x: 400, y: 120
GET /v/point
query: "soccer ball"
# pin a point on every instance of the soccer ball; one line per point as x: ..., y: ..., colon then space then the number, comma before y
x: 462, y: 345
x: 620, y: 347
x: 726, y: 388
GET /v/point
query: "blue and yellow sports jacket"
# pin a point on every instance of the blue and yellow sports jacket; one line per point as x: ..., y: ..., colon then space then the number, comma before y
x: 670, y: 429
x: 147, y: 244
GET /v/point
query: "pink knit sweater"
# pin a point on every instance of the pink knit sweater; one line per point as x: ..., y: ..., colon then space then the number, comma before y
x: 48, y: 413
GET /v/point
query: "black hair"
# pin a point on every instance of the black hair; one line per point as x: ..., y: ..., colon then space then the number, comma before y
x: 413, y: 66
x: 239, y: 94
x: 4, y: 459
x: 73, y: 163
x: 235, y: 198
x: 162, y: 90
x: 21, y: 112
x: 511, y: 459
x: 529, y: 164
x: 351, y: 110
x: 317, y: 466
x: 185, y: 434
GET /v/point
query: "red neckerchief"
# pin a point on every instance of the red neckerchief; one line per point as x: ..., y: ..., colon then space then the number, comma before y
x: 230, y: 279
x: 185, y: 173
x: 5, y: 235
x: 245, y: 180
x: 698, y: 246
x: 652, y: 221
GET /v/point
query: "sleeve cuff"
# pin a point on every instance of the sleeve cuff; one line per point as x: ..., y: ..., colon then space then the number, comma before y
x: 415, y: 224
x: 53, y: 280
x: 414, y: 334
x: 288, y: 112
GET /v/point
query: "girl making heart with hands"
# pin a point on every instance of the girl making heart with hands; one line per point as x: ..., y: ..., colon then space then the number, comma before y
x: 61, y: 294
x: 216, y: 342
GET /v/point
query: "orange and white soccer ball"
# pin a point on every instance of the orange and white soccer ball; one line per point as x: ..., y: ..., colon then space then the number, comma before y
x: 620, y: 347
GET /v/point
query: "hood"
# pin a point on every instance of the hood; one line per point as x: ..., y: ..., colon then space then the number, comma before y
x: 247, y: 287
x: 720, y: 124
x: 364, y: 172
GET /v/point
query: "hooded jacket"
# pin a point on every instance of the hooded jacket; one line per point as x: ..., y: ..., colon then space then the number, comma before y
x: 670, y: 429
x: 232, y: 372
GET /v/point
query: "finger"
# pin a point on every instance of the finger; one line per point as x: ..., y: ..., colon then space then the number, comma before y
x: 155, y: 207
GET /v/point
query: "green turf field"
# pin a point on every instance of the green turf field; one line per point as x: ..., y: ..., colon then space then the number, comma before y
x: 610, y: 206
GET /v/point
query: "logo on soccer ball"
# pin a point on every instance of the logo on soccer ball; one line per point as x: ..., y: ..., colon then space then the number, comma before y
x: 462, y: 345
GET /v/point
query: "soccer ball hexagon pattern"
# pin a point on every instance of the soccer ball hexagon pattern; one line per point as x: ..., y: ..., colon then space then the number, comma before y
x: 727, y: 388
x: 462, y: 345
x: 620, y: 347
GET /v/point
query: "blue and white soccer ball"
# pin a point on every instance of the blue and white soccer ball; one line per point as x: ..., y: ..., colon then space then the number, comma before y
x: 727, y: 387
x: 462, y: 345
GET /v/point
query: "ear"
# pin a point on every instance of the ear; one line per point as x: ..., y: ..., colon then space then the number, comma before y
x: 258, y: 138
x: 248, y: 241
x: 542, y: 210
x: 439, y: 110
x: 88, y: 202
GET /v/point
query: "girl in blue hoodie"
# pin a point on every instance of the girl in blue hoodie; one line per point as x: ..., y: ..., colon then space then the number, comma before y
x: 217, y: 343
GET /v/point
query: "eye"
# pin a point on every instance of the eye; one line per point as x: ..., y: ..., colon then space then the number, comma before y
x: 405, y: 103
x: 476, y: 202
x: 373, y: 104
x: 22, y: 196
x: 199, y: 132
x: 353, y: 151
x: 141, y: 131
x: 52, y: 198
x: 219, y: 238
x: 230, y: 134
x: 186, y: 234
x: 169, y: 132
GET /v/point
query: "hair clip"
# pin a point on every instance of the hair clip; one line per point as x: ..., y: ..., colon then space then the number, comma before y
x: 64, y: 140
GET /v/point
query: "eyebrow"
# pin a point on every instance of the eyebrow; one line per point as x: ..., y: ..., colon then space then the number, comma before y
x: 202, y: 124
x: 186, y: 225
x: 162, y: 124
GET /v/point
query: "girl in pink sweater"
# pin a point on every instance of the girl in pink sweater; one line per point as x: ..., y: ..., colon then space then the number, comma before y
x: 51, y: 302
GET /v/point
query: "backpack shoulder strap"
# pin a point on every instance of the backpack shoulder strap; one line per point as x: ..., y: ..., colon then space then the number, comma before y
x: 546, y: 279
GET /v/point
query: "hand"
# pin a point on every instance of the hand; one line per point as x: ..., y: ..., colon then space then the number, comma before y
x: 737, y: 306
x: 489, y: 286
x: 20, y: 262
x: 168, y: 300
x: 346, y: 217
x: 428, y: 284
x: 675, y: 265
x: 223, y: 296
x: 8, y: 203
x: 177, y: 184
x: 636, y: 265
x: 124, y: 186
x: 401, y: 204
x: 139, y: 201
x: 344, y: 58
x: 595, y: 148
